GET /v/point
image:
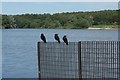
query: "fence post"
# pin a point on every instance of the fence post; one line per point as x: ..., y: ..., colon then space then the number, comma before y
x: 118, y: 59
x: 38, y: 46
x: 79, y: 60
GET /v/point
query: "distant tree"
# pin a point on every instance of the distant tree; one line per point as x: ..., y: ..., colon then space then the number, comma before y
x: 62, y: 20
x: 82, y: 23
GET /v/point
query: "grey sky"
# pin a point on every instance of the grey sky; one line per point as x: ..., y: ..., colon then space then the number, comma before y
x: 55, y: 7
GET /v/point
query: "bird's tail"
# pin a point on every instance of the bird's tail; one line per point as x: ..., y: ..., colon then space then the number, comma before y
x: 67, y: 43
x: 45, y: 41
x: 59, y: 41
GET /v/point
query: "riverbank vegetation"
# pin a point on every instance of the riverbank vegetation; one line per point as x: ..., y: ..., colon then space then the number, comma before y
x: 68, y: 20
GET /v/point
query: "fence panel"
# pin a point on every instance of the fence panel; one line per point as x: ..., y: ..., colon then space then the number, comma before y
x: 59, y: 60
x: 84, y: 59
x: 100, y: 59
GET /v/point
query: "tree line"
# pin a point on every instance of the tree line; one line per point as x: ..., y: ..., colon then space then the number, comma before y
x: 68, y: 20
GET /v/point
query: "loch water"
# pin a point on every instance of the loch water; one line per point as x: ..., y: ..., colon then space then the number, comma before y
x: 19, y: 47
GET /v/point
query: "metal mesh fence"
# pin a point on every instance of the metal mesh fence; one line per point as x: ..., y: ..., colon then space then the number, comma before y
x: 100, y: 59
x: 86, y: 59
x: 59, y: 60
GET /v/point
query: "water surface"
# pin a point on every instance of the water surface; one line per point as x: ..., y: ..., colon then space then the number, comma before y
x: 19, y: 48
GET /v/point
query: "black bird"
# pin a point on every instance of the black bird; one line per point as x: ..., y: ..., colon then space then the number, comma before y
x: 57, y: 38
x: 65, y: 39
x: 43, y: 37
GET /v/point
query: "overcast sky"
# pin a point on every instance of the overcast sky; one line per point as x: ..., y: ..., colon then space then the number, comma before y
x: 55, y: 7
x: 60, y: 0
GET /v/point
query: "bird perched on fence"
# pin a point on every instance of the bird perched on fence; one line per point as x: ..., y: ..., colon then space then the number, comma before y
x: 65, y: 39
x: 57, y: 38
x: 43, y: 37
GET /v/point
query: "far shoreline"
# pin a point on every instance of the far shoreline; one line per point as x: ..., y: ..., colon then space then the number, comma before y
x: 103, y: 28
x: 94, y: 27
x: 90, y: 28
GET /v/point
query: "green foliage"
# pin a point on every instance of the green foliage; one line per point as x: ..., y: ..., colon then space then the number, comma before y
x: 69, y: 20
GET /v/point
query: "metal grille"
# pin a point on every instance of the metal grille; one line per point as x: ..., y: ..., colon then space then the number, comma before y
x: 86, y: 59
x: 100, y: 59
x: 59, y: 60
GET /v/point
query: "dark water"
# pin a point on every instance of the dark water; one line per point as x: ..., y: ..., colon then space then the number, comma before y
x: 19, y: 47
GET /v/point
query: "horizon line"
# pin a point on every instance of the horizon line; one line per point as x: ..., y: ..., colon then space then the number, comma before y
x: 59, y: 12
